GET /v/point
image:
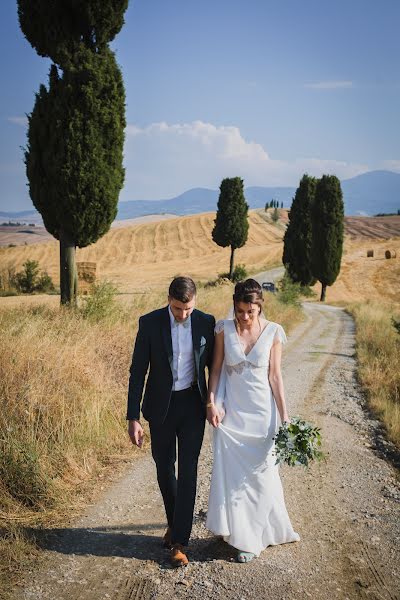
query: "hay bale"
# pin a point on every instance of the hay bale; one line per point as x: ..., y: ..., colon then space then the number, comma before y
x: 390, y: 254
x: 86, y: 276
x: 370, y: 253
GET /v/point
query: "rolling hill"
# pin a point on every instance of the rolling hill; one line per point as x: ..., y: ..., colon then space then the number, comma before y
x: 367, y: 194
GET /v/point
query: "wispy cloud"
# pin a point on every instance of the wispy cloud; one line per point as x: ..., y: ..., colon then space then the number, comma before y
x: 329, y: 85
x: 164, y: 159
x: 22, y: 121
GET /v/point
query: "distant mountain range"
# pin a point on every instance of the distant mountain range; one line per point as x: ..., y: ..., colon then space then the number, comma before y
x: 367, y: 194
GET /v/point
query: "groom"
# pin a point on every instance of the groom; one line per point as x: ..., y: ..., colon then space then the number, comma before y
x: 176, y: 342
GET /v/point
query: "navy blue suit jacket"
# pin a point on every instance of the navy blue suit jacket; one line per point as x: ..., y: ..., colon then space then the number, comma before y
x: 153, y: 350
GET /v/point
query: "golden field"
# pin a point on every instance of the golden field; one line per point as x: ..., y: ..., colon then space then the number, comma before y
x: 148, y: 255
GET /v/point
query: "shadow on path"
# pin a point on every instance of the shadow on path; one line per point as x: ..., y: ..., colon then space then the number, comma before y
x: 125, y: 542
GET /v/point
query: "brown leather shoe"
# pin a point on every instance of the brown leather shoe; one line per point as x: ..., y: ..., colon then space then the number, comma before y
x: 178, y: 557
x: 167, y: 538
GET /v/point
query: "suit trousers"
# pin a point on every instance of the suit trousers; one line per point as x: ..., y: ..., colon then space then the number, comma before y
x: 182, y: 427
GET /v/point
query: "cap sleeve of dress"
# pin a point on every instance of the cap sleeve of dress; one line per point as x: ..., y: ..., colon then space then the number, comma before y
x: 280, y: 335
x: 219, y: 326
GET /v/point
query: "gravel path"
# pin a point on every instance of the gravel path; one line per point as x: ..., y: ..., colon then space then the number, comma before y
x: 345, y: 509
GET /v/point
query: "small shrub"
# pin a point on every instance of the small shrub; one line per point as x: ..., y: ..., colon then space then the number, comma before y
x: 30, y: 279
x: 45, y: 283
x: 275, y: 215
x: 307, y: 291
x: 26, y: 280
x: 100, y: 304
x: 239, y: 273
x: 289, y: 292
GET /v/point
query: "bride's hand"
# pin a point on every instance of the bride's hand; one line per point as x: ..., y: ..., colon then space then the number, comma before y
x: 213, y: 415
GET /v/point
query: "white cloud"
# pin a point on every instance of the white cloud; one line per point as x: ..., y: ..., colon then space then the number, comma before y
x: 22, y: 121
x: 329, y: 85
x: 164, y: 160
x: 391, y: 165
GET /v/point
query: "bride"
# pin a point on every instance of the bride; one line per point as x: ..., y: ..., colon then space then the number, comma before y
x: 246, y: 504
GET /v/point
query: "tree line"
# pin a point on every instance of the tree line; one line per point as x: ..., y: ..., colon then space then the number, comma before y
x: 272, y: 204
x: 313, y: 241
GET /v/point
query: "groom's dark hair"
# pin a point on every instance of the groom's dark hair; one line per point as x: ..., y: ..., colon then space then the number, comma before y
x: 182, y: 289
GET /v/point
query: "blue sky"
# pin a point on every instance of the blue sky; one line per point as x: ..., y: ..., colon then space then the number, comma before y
x: 263, y: 89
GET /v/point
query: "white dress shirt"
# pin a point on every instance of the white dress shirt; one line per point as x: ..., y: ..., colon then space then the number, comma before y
x: 182, y: 347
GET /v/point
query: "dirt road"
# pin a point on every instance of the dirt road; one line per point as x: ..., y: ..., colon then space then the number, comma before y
x: 345, y: 510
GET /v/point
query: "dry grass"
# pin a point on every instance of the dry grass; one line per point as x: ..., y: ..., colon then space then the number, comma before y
x: 378, y: 353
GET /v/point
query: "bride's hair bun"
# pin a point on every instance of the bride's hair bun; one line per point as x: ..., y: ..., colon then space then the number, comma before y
x: 248, y: 291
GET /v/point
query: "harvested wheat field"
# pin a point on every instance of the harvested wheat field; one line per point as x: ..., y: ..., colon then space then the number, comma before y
x: 149, y: 254
x: 373, y: 227
x: 362, y: 278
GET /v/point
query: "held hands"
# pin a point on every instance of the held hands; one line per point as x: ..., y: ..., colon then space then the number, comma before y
x: 214, y: 415
x: 136, y: 433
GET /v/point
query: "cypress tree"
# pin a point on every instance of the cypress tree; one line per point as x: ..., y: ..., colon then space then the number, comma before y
x: 231, y: 224
x: 76, y: 129
x: 327, y: 234
x: 297, y: 241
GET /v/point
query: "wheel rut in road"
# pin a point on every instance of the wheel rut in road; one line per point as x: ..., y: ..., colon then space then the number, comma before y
x: 345, y: 508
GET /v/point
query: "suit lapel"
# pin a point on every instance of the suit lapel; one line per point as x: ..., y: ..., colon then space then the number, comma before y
x: 196, y: 340
x: 167, y: 339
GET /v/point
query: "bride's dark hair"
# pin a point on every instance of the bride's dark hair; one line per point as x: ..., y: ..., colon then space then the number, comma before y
x: 248, y: 291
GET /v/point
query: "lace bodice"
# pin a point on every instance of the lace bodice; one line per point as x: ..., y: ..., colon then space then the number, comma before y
x: 258, y: 357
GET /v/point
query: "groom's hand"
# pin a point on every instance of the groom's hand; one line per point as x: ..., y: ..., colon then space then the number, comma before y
x: 136, y: 433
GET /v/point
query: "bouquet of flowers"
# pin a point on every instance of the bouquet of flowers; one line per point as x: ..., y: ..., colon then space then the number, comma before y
x: 298, y: 443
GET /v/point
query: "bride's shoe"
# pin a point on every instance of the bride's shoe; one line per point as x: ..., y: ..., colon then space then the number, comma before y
x: 244, y: 557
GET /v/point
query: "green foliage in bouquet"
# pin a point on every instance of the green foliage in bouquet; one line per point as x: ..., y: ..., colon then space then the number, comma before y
x: 298, y: 443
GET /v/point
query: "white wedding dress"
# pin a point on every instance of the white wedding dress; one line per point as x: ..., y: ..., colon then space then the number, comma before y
x: 246, y: 503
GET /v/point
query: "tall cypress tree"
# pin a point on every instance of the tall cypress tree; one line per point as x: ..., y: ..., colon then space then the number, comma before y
x: 328, y: 231
x: 297, y: 241
x: 76, y: 129
x: 231, y: 223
